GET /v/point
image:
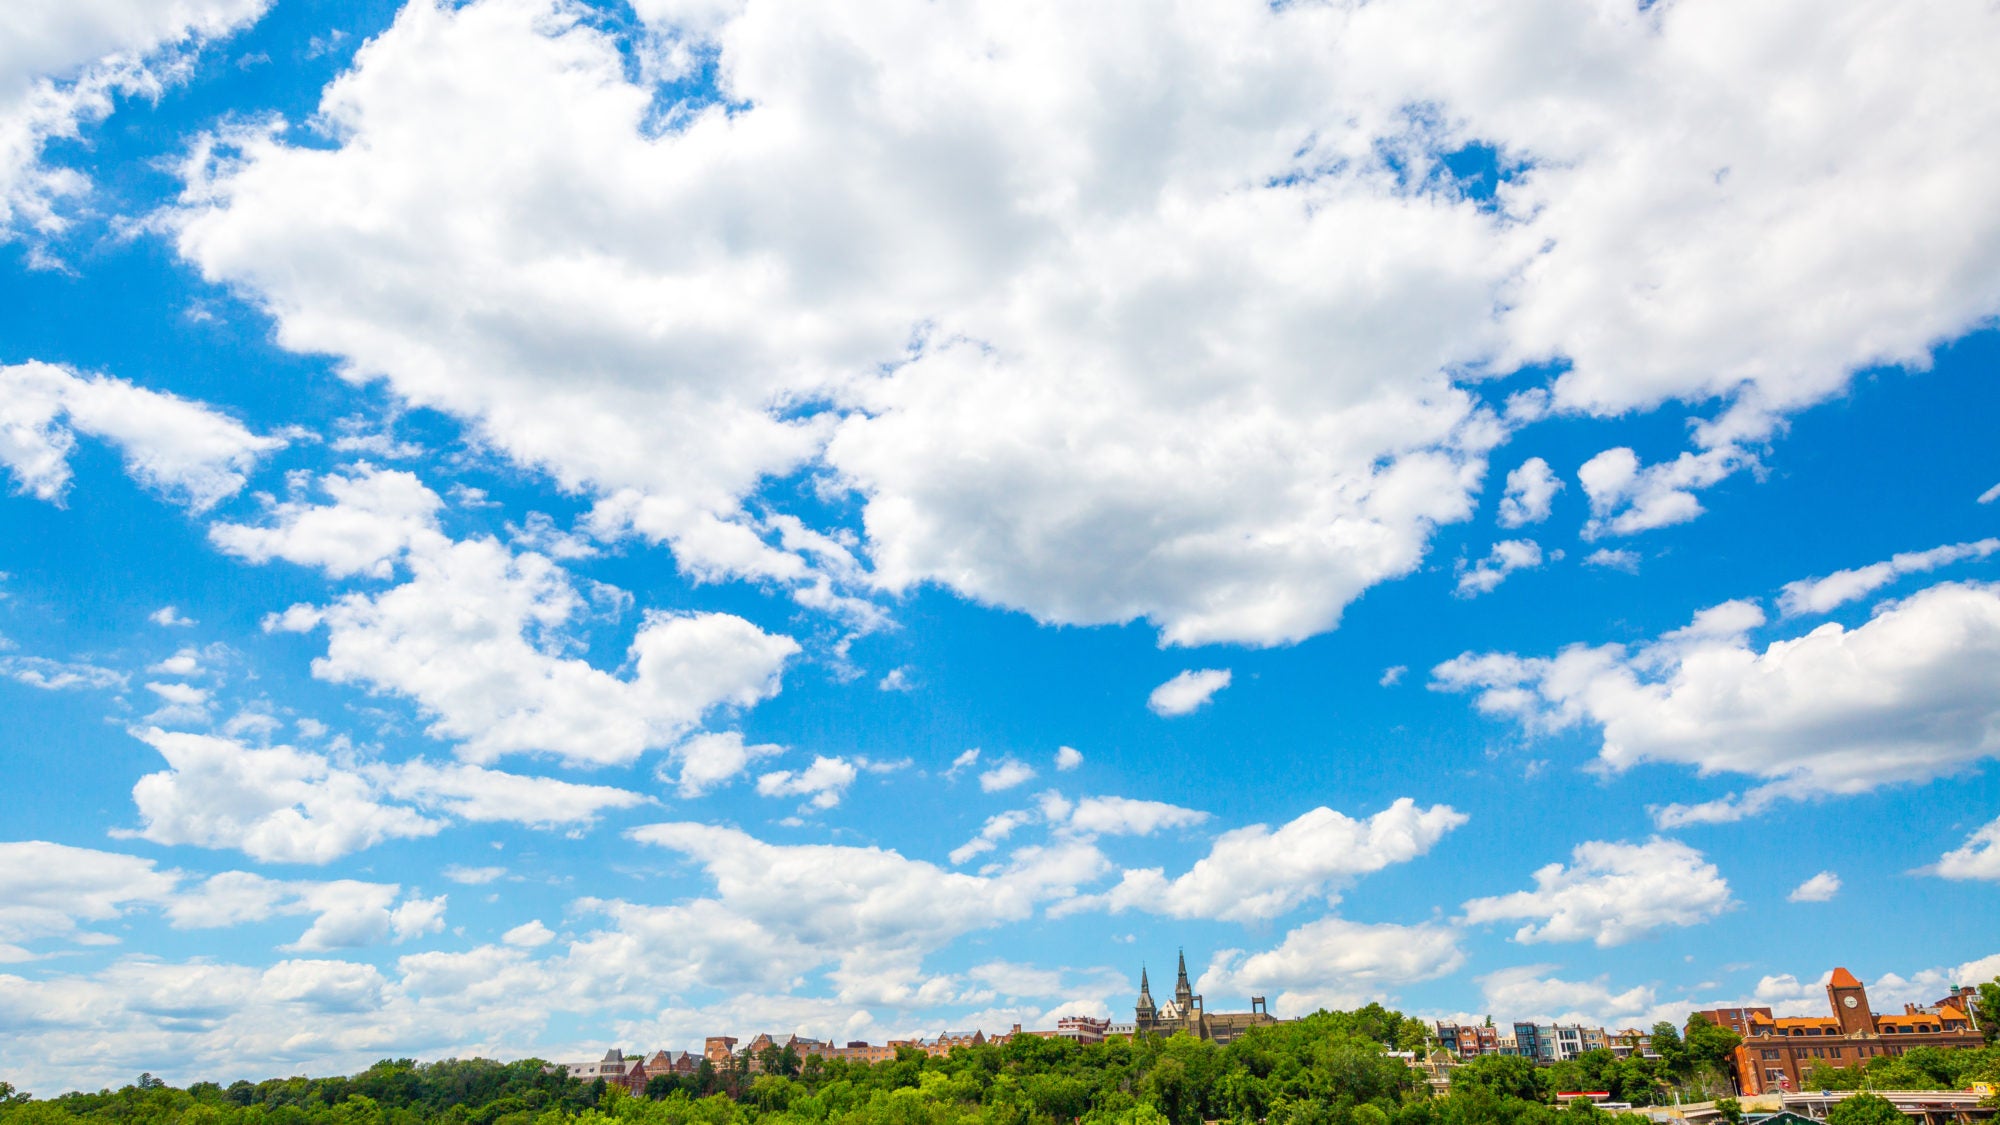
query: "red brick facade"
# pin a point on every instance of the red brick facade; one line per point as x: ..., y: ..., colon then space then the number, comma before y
x: 1777, y: 1054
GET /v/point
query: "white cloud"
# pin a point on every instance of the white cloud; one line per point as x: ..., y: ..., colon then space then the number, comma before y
x: 281, y: 804
x: 1531, y: 491
x: 278, y: 805
x: 965, y: 761
x: 1124, y: 816
x: 1506, y: 557
x: 1627, y: 497
x: 975, y: 235
x: 61, y: 67
x: 472, y: 876
x: 1612, y: 894
x: 1068, y: 758
x: 825, y: 781
x: 1255, y: 873
x: 376, y: 515
x: 529, y: 935
x: 1990, y: 495
x: 873, y: 914
x: 346, y: 913
x: 1627, y: 561
x: 1335, y: 963
x: 1005, y: 774
x: 520, y: 695
x: 168, y: 617
x: 998, y: 827
x: 1911, y: 695
x: 482, y: 795
x: 51, y: 890
x: 1822, y: 595
x: 1187, y: 692
x: 48, y: 890
x: 59, y: 675
x: 710, y: 760
x: 180, y: 703
x: 1529, y: 993
x: 180, y: 448
x: 1392, y: 675
x: 1819, y: 888
x: 1978, y: 858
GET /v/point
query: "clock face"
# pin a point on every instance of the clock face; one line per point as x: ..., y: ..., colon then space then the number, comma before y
x: 1849, y: 1001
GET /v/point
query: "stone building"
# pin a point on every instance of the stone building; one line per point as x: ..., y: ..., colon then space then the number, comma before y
x: 1186, y: 1013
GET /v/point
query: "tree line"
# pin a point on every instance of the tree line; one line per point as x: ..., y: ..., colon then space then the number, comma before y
x: 1331, y: 1068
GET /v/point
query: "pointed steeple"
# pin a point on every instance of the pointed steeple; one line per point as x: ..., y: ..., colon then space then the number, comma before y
x: 1145, y: 1006
x: 1183, y: 992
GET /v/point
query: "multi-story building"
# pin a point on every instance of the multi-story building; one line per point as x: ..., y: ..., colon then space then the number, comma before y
x: 1083, y: 1029
x: 1630, y: 1041
x: 1778, y: 1052
x: 1471, y: 1040
x: 1733, y: 1019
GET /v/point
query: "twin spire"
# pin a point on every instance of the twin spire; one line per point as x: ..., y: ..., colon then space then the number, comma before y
x: 1183, y: 991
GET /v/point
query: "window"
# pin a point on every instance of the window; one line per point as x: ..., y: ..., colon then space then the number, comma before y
x: 1771, y: 1052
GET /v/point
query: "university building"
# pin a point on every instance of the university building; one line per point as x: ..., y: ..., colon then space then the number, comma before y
x: 1185, y: 1013
x: 1777, y: 1053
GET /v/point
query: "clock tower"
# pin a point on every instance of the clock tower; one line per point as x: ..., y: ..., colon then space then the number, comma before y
x: 1850, y: 1004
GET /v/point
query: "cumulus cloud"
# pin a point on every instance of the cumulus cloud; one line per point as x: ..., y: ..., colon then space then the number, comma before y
x: 61, y: 68
x: 520, y: 693
x: 1530, y: 992
x: 282, y: 804
x: 1068, y: 758
x: 59, y: 675
x: 1977, y: 858
x: 276, y: 804
x: 1506, y: 557
x: 474, y: 793
x: 1531, y: 491
x: 824, y: 782
x: 869, y: 913
x: 710, y: 760
x: 1612, y: 893
x: 1609, y: 559
x: 529, y: 935
x: 1335, y: 963
x: 1911, y: 695
x: 1006, y: 774
x: 346, y: 912
x: 182, y: 449
x: 167, y: 617
x: 1256, y: 872
x: 1822, y: 595
x: 374, y: 516
x: 1124, y: 816
x: 50, y: 890
x: 1187, y: 692
x: 1820, y: 888
x: 1001, y: 359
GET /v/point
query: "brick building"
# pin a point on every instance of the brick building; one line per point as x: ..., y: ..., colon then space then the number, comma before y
x: 1778, y: 1052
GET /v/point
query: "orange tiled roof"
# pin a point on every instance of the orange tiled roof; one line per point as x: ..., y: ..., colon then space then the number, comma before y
x: 1844, y: 979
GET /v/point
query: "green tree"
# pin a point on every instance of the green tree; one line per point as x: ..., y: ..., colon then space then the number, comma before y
x: 1731, y: 1110
x: 1865, y: 1109
x: 1708, y: 1044
x: 1506, y: 1076
x: 1988, y: 1014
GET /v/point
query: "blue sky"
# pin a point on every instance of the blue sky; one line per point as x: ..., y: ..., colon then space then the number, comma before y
x: 531, y: 527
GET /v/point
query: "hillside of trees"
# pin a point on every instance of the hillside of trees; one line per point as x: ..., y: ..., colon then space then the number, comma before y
x: 1331, y: 1068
